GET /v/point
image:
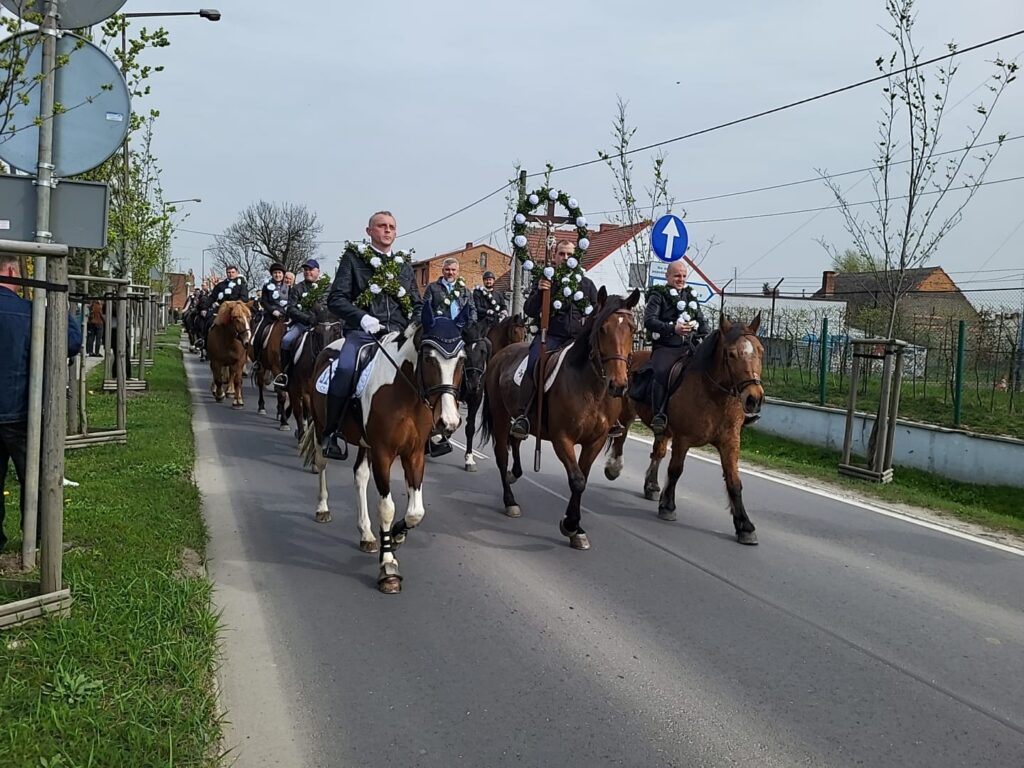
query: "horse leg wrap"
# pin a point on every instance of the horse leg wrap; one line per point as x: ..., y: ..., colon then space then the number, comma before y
x: 387, y: 543
x: 398, y: 532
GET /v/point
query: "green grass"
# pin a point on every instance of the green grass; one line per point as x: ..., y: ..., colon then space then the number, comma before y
x: 127, y: 679
x: 996, y: 507
x: 986, y: 411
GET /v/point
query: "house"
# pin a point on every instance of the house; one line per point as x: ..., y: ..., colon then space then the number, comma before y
x: 930, y: 298
x: 179, y: 286
x: 473, y: 260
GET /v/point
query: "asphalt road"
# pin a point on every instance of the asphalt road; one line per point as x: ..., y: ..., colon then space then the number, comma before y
x: 846, y: 638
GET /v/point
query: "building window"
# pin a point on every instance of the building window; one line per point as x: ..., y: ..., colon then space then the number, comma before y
x: 483, y: 259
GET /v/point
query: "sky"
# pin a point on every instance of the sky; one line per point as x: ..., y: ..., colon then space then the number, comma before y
x: 422, y: 108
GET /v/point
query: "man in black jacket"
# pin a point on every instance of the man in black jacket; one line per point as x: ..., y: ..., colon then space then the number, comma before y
x: 449, y: 294
x: 564, y: 324
x: 368, y: 302
x: 302, y: 319
x: 676, y: 325
x: 231, y: 288
x: 491, y: 305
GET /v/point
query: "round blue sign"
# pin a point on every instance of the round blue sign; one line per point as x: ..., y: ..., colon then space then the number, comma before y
x: 669, y: 238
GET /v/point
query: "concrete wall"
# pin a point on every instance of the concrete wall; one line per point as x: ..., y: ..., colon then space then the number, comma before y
x: 951, y: 453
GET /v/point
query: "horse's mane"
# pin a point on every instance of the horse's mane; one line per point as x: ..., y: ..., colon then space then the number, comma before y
x: 580, y: 352
x: 704, y: 357
x: 230, y: 311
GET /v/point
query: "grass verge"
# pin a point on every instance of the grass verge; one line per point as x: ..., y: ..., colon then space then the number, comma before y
x: 996, y: 507
x: 127, y: 679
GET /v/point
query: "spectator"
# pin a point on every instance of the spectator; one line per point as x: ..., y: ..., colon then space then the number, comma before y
x: 94, y: 329
x: 15, y: 335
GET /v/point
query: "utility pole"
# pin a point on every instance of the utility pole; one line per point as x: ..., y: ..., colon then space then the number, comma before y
x: 516, y: 283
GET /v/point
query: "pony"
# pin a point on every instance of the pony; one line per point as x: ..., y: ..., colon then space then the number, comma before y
x: 720, y: 391
x: 227, y: 346
x: 511, y: 330
x: 584, y: 400
x: 411, y: 388
x: 300, y: 380
x: 269, y: 365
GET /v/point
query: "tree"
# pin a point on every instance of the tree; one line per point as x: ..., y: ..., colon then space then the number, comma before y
x: 268, y: 232
x: 914, y: 209
x: 852, y: 260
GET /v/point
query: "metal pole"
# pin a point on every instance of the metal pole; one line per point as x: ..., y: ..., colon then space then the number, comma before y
x: 121, y: 357
x: 516, y: 284
x: 958, y: 387
x: 823, y: 368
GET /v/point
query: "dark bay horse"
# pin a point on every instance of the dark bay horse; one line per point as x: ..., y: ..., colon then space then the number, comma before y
x: 227, y: 347
x: 300, y: 379
x: 398, y: 410
x: 585, y: 399
x: 720, y: 391
x: 480, y: 348
x: 269, y: 366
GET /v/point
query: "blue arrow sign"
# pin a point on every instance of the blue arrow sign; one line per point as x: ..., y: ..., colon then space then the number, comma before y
x: 669, y: 238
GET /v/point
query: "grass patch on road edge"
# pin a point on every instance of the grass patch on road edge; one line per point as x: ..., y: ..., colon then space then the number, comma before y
x: 128, y: 678
x: 996, y: 507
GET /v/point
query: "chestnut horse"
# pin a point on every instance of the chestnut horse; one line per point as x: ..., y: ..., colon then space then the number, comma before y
x: 584, y: 401
x: 227, y: 346
x: 269, y: 367
x: 720, y: 391
x: 411, y: 388
x: 479, y: 350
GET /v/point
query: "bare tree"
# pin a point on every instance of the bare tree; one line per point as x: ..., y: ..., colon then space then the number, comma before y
x: 226, y: 254
x: 268, y: 232
x: 911, y: 213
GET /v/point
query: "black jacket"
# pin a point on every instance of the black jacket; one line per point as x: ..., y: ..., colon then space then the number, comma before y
x: 228, y: 290
x: 567, y: 322
x: 437, y: 292
x: 662, y: 312
x: 274, y: 297
x: 318, y: 313
x: 354, y: 273
x: 491, y: 306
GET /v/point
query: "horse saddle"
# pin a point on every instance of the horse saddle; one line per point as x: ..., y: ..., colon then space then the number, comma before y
x: 553, y: 366
x: 365, y: 358
x: 640, y: 381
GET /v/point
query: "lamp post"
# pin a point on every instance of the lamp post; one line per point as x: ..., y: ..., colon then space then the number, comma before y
x: 202, y: 276
x: 186, y: 200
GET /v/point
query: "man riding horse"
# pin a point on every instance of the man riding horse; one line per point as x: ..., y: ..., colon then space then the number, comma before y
x: 448, y: 295
x: 365, y: 312
x: 302, y: 318
x: 676, y: 326
x: 566, y: 323
x: 231, y: 288
x: 491, y: 304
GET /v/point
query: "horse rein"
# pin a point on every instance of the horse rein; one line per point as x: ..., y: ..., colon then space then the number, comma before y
x: 599, y: 360
x: 424, y: 394
x: 735, y: 389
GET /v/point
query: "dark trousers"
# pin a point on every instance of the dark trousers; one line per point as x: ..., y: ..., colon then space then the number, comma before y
x: 13, y: 445
x: 93, y: 339
x: 342, y: 383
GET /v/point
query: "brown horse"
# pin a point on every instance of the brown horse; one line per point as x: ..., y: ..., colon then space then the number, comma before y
x: 300, y: 379
x: 584, y: 401
x: 227, y: 345
x: 720, y: 391
x: 270, y: 366
x: 480, y: 348
x: 411, y: 388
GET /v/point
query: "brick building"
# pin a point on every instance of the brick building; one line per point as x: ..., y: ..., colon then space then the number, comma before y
x: 474, y: 260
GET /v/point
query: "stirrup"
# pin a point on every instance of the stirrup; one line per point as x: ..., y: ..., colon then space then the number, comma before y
x: 520, y: 428
x: 332, y: 450
x: 617, y: 430
x: 658, y: 424
x: 280, y: 381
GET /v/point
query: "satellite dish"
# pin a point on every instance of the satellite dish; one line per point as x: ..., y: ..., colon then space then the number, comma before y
x: 96, y: 113
x: 71, y: 14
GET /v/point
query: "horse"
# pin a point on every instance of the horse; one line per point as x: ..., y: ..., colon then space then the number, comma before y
x: 269, y: 365
x: 300, y: 379
x: 720, y: 391
x: 411, y: 388
x: 508, y: 331
x: 227, y: 346
x: 583, y: 402
x: 188, y: 323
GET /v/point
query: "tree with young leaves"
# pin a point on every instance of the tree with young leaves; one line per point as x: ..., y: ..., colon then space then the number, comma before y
x: 919, y: 200
x: 268, y: 232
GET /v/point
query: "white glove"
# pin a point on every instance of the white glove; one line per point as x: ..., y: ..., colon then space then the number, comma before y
x: 370, y: 324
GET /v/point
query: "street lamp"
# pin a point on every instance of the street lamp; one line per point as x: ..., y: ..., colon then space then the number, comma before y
x: 186, y: 200
x: 202, y: 276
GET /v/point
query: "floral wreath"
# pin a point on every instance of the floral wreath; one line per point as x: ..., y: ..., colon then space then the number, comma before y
x: 489, y: 293
x: 568, y: 275
x: 384, y: 279
x: 314, y: 294
x: 686, y: 303
x: 457, y: 291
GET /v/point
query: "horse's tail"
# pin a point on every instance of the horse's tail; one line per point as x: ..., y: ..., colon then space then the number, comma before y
x: 486, y: 420
x: 309, y: 450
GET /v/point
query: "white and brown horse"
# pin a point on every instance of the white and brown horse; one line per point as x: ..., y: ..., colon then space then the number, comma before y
x: 412, y: 387
x: 227, y: 346
x: 582, y: 404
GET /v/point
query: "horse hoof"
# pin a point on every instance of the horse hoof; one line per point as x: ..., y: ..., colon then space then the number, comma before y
x: 651, y: 492
x: 579, y: 541
x: 238, y: 406
x: 668, y: 515
x: 323, y: 517
x: 513, y: 511
x: 219, y: 399
x: 470, y: 467
x: 284, y: 428
x: 368, y: 546
x: 747, y: 537
x: 262, y: 411
x: 390, y: 585
x: 612, y: 474
x: 313, y: 470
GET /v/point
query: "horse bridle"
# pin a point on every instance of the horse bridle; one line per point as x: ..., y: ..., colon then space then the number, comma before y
x: 598, y: 360
x: 735, y: 389
x: 467, y: 368
x: 423, y: 392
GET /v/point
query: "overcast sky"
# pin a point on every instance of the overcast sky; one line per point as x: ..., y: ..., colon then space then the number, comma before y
x: 422, y: 108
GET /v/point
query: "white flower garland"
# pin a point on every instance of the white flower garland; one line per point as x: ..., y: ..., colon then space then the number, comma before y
x: 457, y: 291
x: 686, y: 304
x: 384, y: 279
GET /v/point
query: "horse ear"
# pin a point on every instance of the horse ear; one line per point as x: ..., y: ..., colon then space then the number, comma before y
x: 602, y: 296
x: 634, y: 297
x: 463, y: 317
x: 427, y: 313
x: 724, y: 323
x: 755, y: 323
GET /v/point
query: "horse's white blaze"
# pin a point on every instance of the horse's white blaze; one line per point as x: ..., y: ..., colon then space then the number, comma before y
x: 620, y: 321
x: 746, y: 348
x: 450, y: 416
x: 386, y: 512
x: 362, y: 477
x: 321, y: 505
x: 414, y: 513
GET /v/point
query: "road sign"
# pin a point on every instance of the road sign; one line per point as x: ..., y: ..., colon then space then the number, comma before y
x: 71, y: 14
x: 78, y: 211
x: 95, y: 116
x: 702, y: 292
x: 669, y: 238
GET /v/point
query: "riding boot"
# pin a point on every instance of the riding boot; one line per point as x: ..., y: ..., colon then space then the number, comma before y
x: 658, y: 403
x: 520, y: 429
x: 337, y: 407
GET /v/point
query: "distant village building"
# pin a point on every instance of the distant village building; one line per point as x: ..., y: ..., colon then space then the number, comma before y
x: 473, y: 260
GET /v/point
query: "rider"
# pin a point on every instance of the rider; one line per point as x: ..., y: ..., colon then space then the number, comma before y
x: 448, y: 295
x: 273, y: 302
x: 564, y: 325
x: 491, y: 305
x: 676, y: 325
x: 365, y: 312
x: 301, y: 318
x: 231, y: 288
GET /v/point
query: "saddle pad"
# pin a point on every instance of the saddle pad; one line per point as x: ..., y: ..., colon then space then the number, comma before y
x: 323, y: 381
x: 298, y: 347
x: 517, y: 377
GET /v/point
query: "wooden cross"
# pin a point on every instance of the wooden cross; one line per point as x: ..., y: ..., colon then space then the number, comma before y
x: 547, y: 220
